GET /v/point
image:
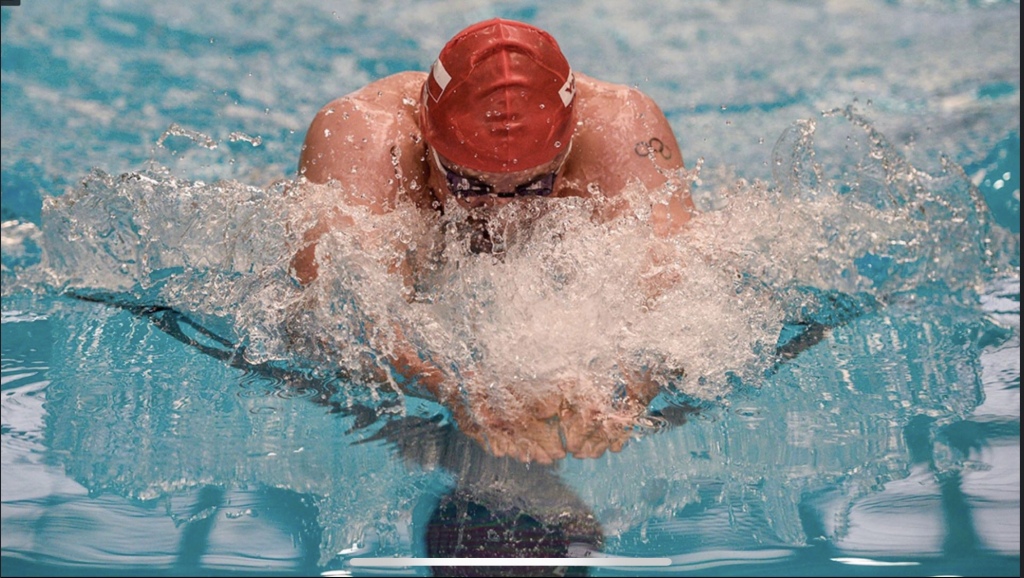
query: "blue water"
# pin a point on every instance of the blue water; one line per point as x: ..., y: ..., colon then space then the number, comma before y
x: 889, y: 444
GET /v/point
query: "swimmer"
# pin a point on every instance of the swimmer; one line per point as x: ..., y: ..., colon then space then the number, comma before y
x: 499, y: 117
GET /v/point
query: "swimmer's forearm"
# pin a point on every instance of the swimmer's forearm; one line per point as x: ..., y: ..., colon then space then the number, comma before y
x: 671, y: 217
x: 304, y: 266
x: 406, y: 361
x: 423, y: 374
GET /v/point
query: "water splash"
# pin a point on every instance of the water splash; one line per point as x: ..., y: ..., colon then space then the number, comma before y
x: 241, y: 136
x: 560, y: 297
x: 195, y: 136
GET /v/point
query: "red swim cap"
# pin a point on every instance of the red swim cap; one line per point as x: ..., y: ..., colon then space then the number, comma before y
x: 499, y: 98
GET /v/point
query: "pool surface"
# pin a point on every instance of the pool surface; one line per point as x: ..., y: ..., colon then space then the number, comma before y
x: 849, y: 328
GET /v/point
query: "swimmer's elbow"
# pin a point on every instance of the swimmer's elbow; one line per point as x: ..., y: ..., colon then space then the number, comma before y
x: 672, y: 217
x: 303, y: 267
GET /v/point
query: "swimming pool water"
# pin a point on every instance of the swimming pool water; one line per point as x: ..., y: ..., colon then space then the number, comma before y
x: 135, y: 444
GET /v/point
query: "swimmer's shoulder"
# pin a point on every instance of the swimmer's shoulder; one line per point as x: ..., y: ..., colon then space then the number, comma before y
x: 393, y: 100
x: 365, y: 131
x: 608, y: 104
x: 607, y: 131
x: 391, y: 90
x: 621, y: 136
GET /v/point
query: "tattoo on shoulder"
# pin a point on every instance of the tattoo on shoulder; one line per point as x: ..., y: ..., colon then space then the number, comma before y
x: 654, y: 146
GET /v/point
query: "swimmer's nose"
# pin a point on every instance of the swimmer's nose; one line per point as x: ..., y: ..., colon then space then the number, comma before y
x: 484, y: 201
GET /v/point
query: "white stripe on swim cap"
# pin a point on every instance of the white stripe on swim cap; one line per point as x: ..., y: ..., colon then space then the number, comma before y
x: 568, y: 90
x: 441, y: 77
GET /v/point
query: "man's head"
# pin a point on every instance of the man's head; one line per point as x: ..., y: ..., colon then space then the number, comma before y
x: 499, y: 100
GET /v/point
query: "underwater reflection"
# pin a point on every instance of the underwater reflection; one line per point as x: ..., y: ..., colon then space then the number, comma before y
x: 186, y: 429
x: 497, y: 507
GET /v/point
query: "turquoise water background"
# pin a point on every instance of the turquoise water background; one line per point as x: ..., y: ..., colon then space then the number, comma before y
x: 892, y: 447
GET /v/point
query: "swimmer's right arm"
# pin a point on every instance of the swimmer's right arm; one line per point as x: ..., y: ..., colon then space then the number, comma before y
x: 348, y: 146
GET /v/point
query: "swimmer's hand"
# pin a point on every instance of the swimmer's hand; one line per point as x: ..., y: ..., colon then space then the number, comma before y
x: 547, y: 428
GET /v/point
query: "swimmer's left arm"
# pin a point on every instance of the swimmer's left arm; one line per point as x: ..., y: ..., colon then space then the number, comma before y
x: 656, y: 159
x: 651, y: 154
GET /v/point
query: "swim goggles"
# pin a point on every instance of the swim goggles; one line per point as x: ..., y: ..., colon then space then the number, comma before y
x: 464, y: 187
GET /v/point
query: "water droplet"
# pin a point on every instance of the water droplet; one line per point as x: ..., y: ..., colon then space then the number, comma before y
x: 241, y: 136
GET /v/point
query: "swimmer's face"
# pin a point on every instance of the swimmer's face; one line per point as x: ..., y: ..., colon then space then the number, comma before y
x: 473, y: 189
